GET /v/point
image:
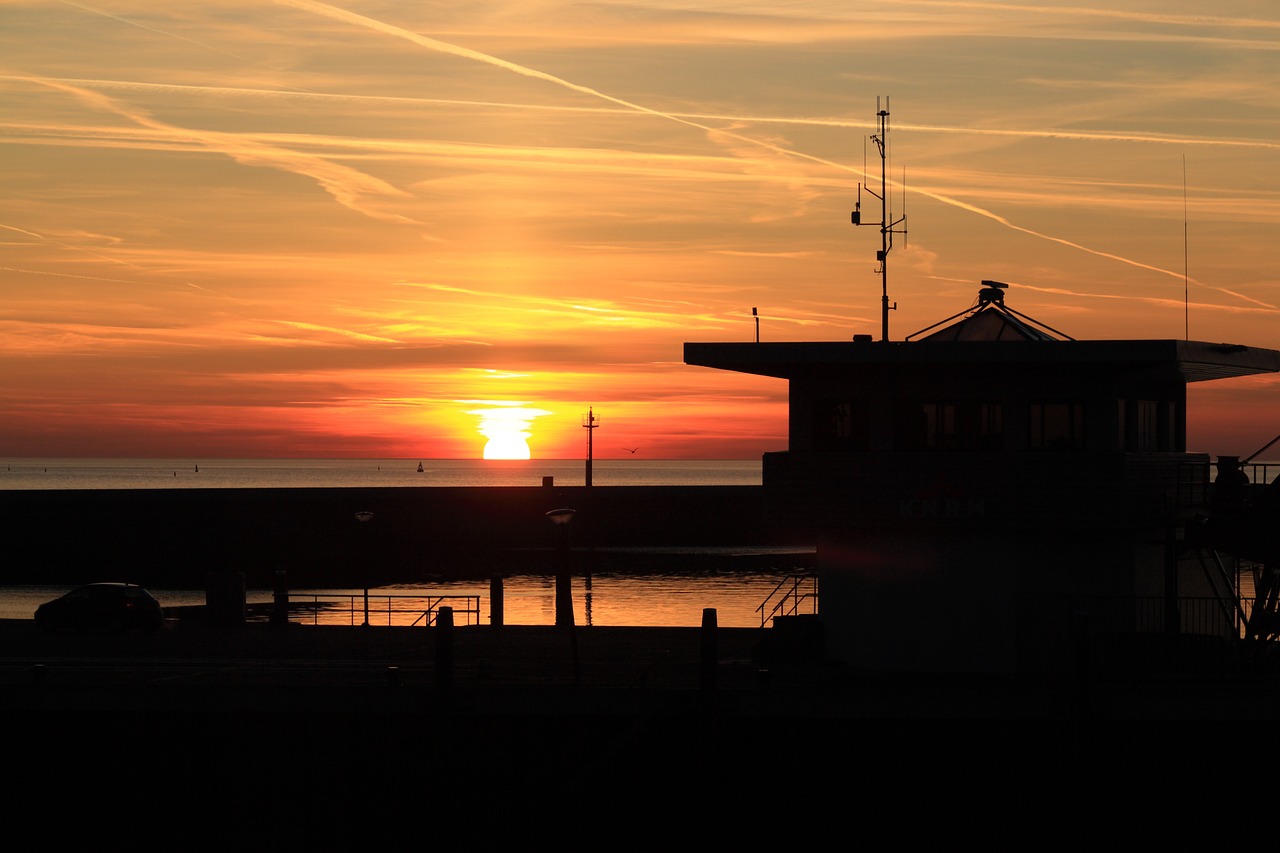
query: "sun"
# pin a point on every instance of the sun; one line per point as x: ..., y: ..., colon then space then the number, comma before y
x: 507, y: 447
x: 506, y: 428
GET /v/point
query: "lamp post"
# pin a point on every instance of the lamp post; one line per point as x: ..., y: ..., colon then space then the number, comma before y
x: 364, y: 516
x: 561, y: 518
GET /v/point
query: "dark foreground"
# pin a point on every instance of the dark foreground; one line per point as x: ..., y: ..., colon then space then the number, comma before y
x: 336, y: 731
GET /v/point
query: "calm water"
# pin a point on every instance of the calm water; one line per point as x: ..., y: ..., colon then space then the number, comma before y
x: 672, y: 600
x: 339, y: 473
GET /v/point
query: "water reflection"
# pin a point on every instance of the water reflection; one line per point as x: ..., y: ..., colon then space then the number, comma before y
x: 604, y: 599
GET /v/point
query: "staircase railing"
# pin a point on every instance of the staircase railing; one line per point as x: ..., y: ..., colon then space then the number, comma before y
x: 794, y: 594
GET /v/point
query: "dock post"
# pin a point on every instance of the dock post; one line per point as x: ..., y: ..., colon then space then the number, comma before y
x: 444, y: 646
x: 710, y: 649
x: 280, y: 600
x: 495, y: 600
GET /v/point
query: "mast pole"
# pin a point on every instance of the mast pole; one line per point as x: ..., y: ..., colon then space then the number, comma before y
x: 888, y: 224
x: 882, y: 143
x: 590, y: 422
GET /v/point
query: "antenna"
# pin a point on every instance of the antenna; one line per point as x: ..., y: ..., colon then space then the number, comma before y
x: 1186, y: 276
x: 888, y: 225
x: 590, y: 423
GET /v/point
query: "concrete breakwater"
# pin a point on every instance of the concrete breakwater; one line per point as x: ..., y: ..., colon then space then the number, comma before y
x: 176, y: 537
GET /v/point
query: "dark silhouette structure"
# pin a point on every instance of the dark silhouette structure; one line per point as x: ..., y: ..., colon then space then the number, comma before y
x: 990, y: 494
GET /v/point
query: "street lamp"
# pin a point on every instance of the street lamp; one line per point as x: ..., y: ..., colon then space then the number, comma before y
x: 365, y: 516
x: 564, y: 592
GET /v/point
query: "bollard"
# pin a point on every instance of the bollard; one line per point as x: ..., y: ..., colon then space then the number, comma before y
x: 495, y: 600
x: 280, y: 600
x: 444, y: 646
x: 710, y: 649
x: 393, y: 676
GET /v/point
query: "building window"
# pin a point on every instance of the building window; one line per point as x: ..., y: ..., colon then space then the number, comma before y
x: 1057, y: 426
x: 841, y: 425
x: 1148, y: 425
x: 963, y: 426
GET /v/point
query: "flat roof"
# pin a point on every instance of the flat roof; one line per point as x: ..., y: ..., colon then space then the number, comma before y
x: 1193, y: 361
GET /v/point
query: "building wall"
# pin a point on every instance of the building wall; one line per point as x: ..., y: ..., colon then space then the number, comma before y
x: 935, y: 561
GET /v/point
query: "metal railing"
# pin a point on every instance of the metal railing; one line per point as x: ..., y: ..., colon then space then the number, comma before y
x: 404, y: 610
x: 794, y: 594
x: 1261, y: 473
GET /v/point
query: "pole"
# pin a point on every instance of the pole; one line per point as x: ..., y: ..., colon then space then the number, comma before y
x: 888, y: 226
x: 444, y: 647
x: 364, y: 517
x: 561, y: 518
x: 564, y: 582
x: 495, y: 600
x: 884, y: 231
x: 590, y: 425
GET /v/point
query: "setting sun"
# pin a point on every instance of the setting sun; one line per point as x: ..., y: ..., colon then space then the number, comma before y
x: 506, y: 426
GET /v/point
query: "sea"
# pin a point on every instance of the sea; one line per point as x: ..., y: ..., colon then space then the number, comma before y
x: 740, y: 599
x: 381, y: 473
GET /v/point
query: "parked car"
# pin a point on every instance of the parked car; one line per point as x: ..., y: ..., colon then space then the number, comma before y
x: 102, y: 607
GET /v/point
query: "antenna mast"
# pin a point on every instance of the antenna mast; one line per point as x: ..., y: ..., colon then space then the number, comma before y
x: 590, y: 423
x: 888, y: 225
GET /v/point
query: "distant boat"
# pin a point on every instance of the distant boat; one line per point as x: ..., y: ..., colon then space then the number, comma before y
x: 419, y: 467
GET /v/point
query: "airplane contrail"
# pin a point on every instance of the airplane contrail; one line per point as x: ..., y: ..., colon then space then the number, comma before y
x: 346, y: 185
x: 47, y: 239
x: 1012, y: 133
x: 1115, y: 14
x: 335, y: 13
x: 141, y: 26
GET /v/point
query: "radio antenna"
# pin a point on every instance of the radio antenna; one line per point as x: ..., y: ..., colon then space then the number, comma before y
x: 1186, y: 273
x: 888, y: 225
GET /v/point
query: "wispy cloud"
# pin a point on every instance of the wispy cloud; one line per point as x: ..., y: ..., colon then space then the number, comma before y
x: 349, y: 187
x: 437, y: 45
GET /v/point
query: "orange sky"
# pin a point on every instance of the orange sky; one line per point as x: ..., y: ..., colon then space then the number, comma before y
x: 300, y: 229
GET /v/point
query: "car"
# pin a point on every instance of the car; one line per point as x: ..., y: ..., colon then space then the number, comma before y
x: 116, y: 607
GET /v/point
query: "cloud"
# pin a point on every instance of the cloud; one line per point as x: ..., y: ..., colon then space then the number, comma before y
x: 347, y: 186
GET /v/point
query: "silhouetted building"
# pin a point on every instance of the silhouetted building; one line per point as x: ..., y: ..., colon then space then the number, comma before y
x: 988, y: 491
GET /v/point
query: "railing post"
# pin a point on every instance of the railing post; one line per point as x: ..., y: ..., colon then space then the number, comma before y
x: 710, y: 649
x: 444, y: 646
x: 280, y: 600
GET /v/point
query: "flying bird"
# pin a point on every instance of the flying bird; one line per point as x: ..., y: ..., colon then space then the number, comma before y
x: 631, y: 449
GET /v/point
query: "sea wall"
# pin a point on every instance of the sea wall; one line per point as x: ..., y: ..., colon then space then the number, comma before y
x: 173, y: 538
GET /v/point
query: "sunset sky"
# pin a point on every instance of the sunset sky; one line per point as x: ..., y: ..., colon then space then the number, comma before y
x: 386, y: 229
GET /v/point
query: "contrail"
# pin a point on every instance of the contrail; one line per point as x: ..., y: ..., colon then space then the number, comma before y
x: 45, y: 239
x: 345, y: 184
x: 69, y: 275
x: 467, y: 53
x: 354, y: 19
x: 1156, y: 300
x: 1114, y: 14
x: 130, y: 23
x: 101, y: 257
x: 836, y: 122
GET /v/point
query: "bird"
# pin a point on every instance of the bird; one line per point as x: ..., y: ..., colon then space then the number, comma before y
x: 631, y: 449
